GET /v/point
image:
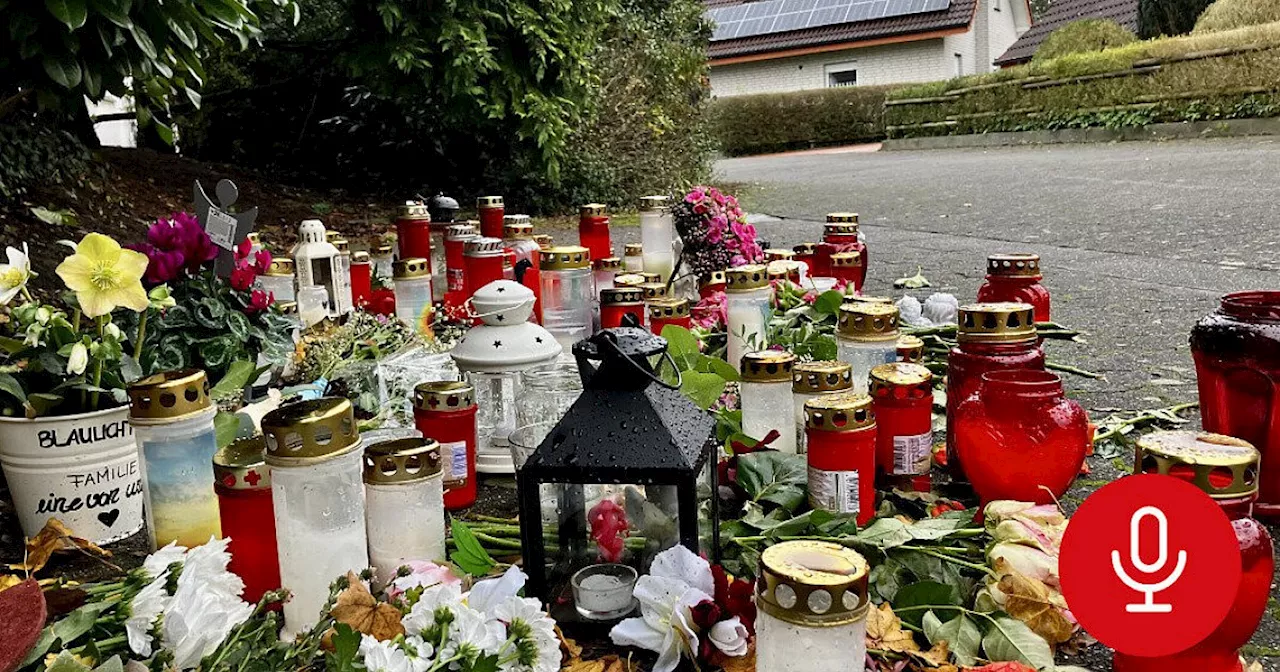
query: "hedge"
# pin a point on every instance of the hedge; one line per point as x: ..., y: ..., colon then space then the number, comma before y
x: 1226, y: 75
x: 777, y: 122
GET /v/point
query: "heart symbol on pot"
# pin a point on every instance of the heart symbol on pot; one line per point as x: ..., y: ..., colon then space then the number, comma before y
x: 108, y: 518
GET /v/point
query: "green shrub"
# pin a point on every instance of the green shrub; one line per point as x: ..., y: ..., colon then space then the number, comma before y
x: 33, y: 153
x: 781, y: 121
x: 1168, y: 17
x: 1228, y: 14
x: 1084, y: 36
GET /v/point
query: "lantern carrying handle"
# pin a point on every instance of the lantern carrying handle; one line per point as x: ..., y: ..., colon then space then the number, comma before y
x: 471, y: 313
x: 665, y: 355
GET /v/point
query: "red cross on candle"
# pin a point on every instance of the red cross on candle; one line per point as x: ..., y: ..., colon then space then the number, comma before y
x: 252, y: 478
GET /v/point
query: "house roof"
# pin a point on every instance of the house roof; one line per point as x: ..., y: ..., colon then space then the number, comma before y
x: 1062, y: 12
x: 957, y: 16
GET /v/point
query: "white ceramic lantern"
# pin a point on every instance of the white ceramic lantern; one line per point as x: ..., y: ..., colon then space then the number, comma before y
x: 867, y: 336
x: 318, y: 264
x: 404, y: 504
x: 313, y: 449
x: 749, y: 304
x: 493, y: 355
x: 657, y: 236
x: 766, y: 398
x: 812, y: 602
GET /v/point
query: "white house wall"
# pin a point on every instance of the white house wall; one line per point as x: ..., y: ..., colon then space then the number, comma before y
x: 1005, y: 26
x: 920, y: 61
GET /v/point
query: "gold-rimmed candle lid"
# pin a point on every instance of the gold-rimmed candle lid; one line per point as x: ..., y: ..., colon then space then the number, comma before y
x: 632, y: 250
x: 456, y: 232
x: 408, y: 460
x: 1224, y: 467
x: 343, y: 245
x: 411, y: 267
x: 650, y: 276
x: 813, y: 583
x: 668, y: 309
x: 387, y: 250
x: 332, y: 235
x: 842, y: 218
x: 1017, y: 264
x: 654, y: 203
x: 544, y: 240
x: 360, y: 257
x: 415, y: 210
x: 444, y: 395
x: 565, y: 258
x: 901, y: 381
x: 621, y: 296
x: 593, y: 210
x: 486, y: 202
x: 767, y: 366
x: 482, y: 247
x: 309, y: 432
x: 850, y: 259
x: 839, y: 412
x: 910, y: 349
x: 805, y: 249
x: 628, y: 280
x: 281, y: 267
x: 868, y: 322
x: 746, y: 278
x: 821, y: 377
x: 777, y: 254
x: 654, y: 291
x: 242, y: 465
x: 610, y: 264
x: 517, y: 219
x: 712, y: 278
x: 517, y: 230
x: 168, y: 397
x: 996, y: 323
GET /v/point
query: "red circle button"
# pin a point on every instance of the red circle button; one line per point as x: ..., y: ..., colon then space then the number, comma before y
x: 1149, y: 565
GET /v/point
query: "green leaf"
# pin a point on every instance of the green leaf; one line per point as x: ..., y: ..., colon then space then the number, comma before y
x: 681, y: 345
x: 346, y: 650
x: 116, y: 11
x: 1011, y: 639
x: 703, y: 389
x: 923, y: 594
x: 232, y: 383
x: 164, y: 131
x: 469, y: 555
x: 72, y: 13
x: 63, y: 69
x: 239, y: 325
x: 78, y: 622
x: 145, y: 44
x: 773, y: 477
x: 721, y: 368
x: 46, y: 642
x: 10, y: 386
x: 56, y: 217
x: 932, y: 529
x: 828, y: 303
x: 225, y: 427
x: 963, y: 636
x: 40, y: 404
x: 113, y: 664
x: 885, y: 533
x: 66, y: 662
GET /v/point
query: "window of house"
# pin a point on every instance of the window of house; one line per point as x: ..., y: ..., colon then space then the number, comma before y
x: 842, y: 78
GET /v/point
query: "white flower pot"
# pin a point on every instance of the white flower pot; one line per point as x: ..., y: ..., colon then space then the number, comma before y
x: 81, y: 469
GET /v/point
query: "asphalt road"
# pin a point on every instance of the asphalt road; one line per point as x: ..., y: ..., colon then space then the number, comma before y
x: 1137, y: 241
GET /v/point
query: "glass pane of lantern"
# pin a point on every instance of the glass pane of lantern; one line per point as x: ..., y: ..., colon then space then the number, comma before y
x: 496, y: 395
x: 707, y: 515
x: 400, y: 373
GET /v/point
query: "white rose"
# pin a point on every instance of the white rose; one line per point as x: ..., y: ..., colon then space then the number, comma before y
x: 79, y: 359
x: 730, y: 637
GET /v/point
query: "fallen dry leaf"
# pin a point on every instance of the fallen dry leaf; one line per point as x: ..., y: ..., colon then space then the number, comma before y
x: 610, y: 663
x: 9, y: 581
x: 1033, y: 603
x: 357, y: 608
x: 884, y: 632
x: 569, y: 648
x: 935, y: 658
x: 1255, y: 666
x: 54, y: 536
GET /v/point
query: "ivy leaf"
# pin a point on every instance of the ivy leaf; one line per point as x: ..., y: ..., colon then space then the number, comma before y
x: 1011, y: 639
x: 469, y: 555
x: 72, y: 13
x: 961, y: 634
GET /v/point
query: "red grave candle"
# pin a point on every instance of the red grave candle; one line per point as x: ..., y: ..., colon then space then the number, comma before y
x: 490, y: 210
x: 1020, y: 438
x: 484, y: 262
x: 846, y: 266
x: 446, y: 411
x: 1016, y: 278
x: 712, y: 282
x: 669, y: 311
x: 620, y: 304
x: 593, y: 230
x: 991, y: 337
x: 413, y: 232
x: 361, y: 279
x: 807, y: 253
x: 902, y: 397
x: 455, y: 240
x: 840, y: 430
x: 1237, y: 355
x: 1226, y: 469
x: 242, y: 481
x: 840, y: 234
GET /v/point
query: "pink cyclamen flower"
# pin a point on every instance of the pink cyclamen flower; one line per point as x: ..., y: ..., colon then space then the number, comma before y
x: 422, y: 574
x: 162, y: 265
x: 242, y: 278
x: 262, y: 262
x: 259, y: 301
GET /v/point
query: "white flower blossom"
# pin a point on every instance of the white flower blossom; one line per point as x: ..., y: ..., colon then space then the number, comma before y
x: 113, y: 331
x: 667, y: 594
x: 15, y: 274
x: 423, y: 613
x: 731, y: 637
x: 390, y: 657
x: 78, y: 361
x: 206, y: 606
x: 488, y: 594
x: 534, y: 646
x: 156, y: 563
x: 471, y: 633
x: 941, y: 308
x: 143, y: 610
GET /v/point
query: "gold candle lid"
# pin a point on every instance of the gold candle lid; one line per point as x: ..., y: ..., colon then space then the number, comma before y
x: 649, y: 276
x: 806, y: 249
x: 415, y: 210
x: 242, y: 465
x: 169, y: 396
x: 384, y: 250
x: 565, y: 258
x: 901, y: 381
x: 485, y: 202
x: 777, y: 270
x: 343, y: 245
x: 401, y: 461
x: 632, y: 250
x: 813, y: 583
x: 654, y: 290
x: 621, y: 296
x: 482, y: 247
x: 712, y: 278
x: 281, y: 267
x: 839, y: 412
x: 1209, y: 457
x: 413, y: 267
x: 654, y: 203
x: 593, y: 210
x: 832, y: 229
x: 851, y: 259
x: 996, y: 323
x: 775, y: 254
x: 910, y: 349
x: 332, y: 235
x: 360, y: 257
x: 611, y: 264
x: 543, y: 240
x: 821, y: 377
x: 288, y: 307
x: 842, y: 218
x: 453, y: 232
x: 868, y: 322
x: 444, y: 395
x: 746, y: 278
x: 767, y: 366
x: 254, y: 238
x: 517, y: 218
x: 1018, y: 264
x: 668, y: 309
x: 309, y: 432
x: 517, y: 231
x: 628, y: 280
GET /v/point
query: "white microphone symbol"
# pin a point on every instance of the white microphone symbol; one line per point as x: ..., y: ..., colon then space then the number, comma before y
x: 1149, y: 607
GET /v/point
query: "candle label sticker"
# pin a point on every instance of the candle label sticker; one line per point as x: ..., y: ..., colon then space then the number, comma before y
x: 911, y: 454
x: 834, y: 491
x: 455, y: 279
x: 455, y: 457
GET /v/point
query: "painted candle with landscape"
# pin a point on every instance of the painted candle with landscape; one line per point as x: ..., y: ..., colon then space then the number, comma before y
x: 178, y: 475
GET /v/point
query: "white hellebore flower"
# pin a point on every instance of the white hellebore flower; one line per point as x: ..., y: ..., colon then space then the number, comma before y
x: 143, y: 610
x: 15, y: 274
x: 113, y: 331
x: 389, y: 657
x: 678, y: 581
x: 78, y: 361
x: 730, y: 636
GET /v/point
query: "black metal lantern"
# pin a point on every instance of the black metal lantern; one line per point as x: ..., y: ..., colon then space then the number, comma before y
x: 629, y: 471
x: 443, y: 209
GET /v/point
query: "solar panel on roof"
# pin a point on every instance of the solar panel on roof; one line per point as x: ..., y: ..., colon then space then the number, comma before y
x: 777, y: 16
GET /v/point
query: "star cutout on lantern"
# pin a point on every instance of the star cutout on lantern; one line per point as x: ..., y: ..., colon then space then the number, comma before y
x: 501, y: 317
x: 497, y: 344
x: 501, y: 289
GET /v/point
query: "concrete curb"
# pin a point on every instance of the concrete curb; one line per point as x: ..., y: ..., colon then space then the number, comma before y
x: 1224, y: 128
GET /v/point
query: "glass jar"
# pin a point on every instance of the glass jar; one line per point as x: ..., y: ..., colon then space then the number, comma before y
x: 910, y: 349
x: 172, y: 418
x: 1016, y: 278
x: 346, y: 297
x: 314, y: 451
x: 278, y: 280
x: 810, y: 380
x: 902, y: 397
x: 547, y: 393
x: 842, y: 454
x: 382, y: 258
x: 1020, y: 438
x: 482, y: 260
x: 807, y: 254
x: 990, y: 337
x: 657, y: 236
x: 841, y: 234
x: 766, y: 405
x: 242, y: 481
x: 567, y: 287
x: 413, y: 232
x: 812, y: 601
x: 633, y: 257
x: 412, y: 282
x: 749, y: 307
x: 669, y: 311
x: 403, y: 505
x: 593, y: 230
x: 446, y: 412
x: 845, y: 267
x: 361, y: 279
x: 711, y: 283
x: 866, y: 337
x: 455, y: 241
x: 1226, y: 468
x: 621, y: 307
x: 1237, y: 355
x: 491, y: 210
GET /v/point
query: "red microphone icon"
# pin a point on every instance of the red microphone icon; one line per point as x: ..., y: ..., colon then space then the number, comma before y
x: 1135, y: 556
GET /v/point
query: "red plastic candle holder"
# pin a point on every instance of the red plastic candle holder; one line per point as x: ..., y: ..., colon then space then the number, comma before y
x: 1016, y: 278
x: 840, y: 430
x: 446, y: 411
x: 807, y: 253
x: 483, y: 263
x: 621, y: 307
x: 490, y: 209
x: 413, y: 232
x: 593, y: 230
x: 361, y: 279
x: 902, y: 397
x: 669, y: 311
x: 242, y: 481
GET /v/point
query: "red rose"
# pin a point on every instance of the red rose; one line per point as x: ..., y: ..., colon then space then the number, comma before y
x: 706, y: 614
